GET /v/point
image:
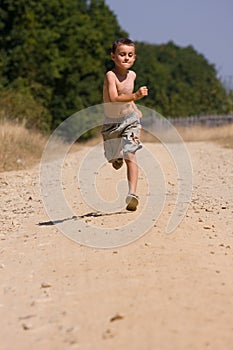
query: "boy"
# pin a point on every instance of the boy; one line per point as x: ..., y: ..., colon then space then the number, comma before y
x: 121, y: 128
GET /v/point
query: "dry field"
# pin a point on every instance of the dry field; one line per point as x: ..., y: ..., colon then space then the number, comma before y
x: 22, y: 148
x: 222, y: 135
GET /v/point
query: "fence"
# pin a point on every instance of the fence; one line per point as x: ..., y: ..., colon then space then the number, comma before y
x: 207, y: 120
x: 156, y: 121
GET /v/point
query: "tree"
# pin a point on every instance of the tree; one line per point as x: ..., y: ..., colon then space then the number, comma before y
x: 57, y: 49
x: 55, y: 54
x: 181, y: 82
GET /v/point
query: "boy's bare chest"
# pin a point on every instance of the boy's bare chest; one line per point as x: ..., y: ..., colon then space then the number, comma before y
x: 125, y: 86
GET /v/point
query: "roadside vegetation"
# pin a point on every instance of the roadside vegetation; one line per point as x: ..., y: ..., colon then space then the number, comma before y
x: 53, y: 58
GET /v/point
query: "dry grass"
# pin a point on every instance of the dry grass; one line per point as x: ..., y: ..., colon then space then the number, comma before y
x: 20, y: 148
x: 223, y: 135
x: 220, y: 134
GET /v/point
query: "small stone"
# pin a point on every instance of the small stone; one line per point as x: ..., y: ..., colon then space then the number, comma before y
x: 27, y: 326
x: 117, y: 317
x: 45, y: 285
x: 107, y: 334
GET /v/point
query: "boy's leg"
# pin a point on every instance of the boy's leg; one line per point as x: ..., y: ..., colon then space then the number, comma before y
x: 113, y: 152
x: 130, y: 144
x: 132, y: 176
x: 132, y: 172
x: 118, y: 162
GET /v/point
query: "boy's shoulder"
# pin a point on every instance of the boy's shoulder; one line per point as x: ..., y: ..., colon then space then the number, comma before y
x: 133, y: 74
x: 110, y: 73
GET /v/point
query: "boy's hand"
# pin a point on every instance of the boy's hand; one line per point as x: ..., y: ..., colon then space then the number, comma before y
x: 142, y: 91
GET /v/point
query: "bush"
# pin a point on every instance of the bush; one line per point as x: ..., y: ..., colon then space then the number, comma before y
x: 21, y: 106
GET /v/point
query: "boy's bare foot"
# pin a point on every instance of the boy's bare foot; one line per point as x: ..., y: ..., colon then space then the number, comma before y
x: 132, y: 202
x: 117, y: 163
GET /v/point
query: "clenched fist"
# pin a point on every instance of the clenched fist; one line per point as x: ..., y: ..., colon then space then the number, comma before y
x: 142, y: 91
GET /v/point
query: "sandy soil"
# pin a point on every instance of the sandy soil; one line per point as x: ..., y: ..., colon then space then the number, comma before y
x: 160, y: 292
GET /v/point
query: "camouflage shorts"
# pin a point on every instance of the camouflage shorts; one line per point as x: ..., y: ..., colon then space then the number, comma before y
x: 121, y: 134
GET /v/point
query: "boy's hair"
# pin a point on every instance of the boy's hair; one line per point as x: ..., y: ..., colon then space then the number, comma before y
x: 122, y: 41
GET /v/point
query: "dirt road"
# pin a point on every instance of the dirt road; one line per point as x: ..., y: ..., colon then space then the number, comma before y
x: 163, y: 291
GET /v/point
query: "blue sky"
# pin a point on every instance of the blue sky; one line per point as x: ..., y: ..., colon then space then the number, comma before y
x: 207, y: 25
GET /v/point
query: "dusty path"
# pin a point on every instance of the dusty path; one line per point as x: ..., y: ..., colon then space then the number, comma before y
x: 160, y: 292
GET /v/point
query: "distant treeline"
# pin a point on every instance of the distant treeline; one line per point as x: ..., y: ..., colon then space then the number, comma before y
x: 54, y: 54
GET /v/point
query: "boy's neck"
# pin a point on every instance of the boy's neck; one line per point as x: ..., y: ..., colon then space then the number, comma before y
x: 120, y: 72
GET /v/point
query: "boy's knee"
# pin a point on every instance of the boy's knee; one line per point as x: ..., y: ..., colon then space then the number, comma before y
x: 130, y: 157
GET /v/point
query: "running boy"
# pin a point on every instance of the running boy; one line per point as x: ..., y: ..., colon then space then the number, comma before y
x: 121, y: 128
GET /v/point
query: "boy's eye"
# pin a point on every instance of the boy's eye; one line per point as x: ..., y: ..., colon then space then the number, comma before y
x: 122, y: 54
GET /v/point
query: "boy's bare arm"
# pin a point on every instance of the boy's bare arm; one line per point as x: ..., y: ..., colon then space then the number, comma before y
x: 114, y: 95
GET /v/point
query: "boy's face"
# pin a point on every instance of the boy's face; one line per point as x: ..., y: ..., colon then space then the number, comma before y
x: 124, y: 57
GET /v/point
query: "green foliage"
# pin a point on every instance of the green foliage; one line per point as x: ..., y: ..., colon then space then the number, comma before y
x: 181, y: 82
x: 54, y: 54
x: 58, y: 49
x: 20, y: 105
